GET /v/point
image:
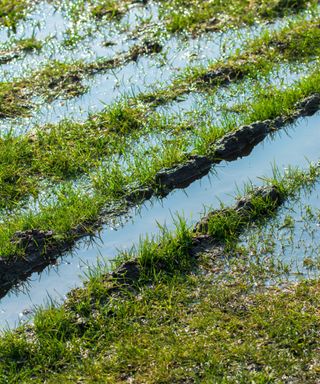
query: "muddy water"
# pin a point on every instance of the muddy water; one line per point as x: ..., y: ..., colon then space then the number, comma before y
x: 295, y: 146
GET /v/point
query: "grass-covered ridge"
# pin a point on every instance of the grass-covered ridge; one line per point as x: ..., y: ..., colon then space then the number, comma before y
x: 182, y: 317
x: 116, y: 178
x: 12, y: 11
x: 70, y: 149
x: 297, y: 42
x: 207, y: 15
x: 50, y: 152
x: 209, y: 303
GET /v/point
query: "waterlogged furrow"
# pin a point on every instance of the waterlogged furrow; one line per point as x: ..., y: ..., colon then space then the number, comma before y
x: 60, y: 80
x: 292, y: 236
x: 141, y: 175
x: 70, y: 180
x: 136, y: 78
x: 47, y: 76
x: 120, y: 233
x: 174, y: 258
x: 129, y: 80
x: 222, y: 103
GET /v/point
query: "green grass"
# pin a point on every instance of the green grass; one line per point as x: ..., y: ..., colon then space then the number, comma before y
x: 186, y: 318
x: 208, y: 319
x: 70, y: 149
x: 29, y: 44
x: 12, y: 11
x: 57, y: 79
x: 190, y: 16
x: 196, y: 15
x: 113, y: 178
x: 109, y: 8
x: 99, y: 10
x: 300, y: 40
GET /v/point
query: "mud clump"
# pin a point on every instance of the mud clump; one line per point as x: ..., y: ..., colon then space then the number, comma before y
x: 33, y: 240
x: 267, y: 194
x: 39, y: 248
x: 6, y: 57
x: 139, y: 194
x: 127, y: 272
x: 241, y: 142
x: 183, y: 175
x: 145, y: 48
x: 223, y: 75
x: 232, y: 146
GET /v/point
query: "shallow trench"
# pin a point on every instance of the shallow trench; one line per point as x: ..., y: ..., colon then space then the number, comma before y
x: 295, y: 146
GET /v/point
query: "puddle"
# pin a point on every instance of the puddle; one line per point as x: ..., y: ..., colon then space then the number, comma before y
x: 285, y: 148
x: 293, y: 237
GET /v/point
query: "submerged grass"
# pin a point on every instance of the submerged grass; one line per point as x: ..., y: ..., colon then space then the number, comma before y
x: 197, y: 15
x: 97, y: 9
x: 16, y: 48
x: 69, y: 149
x: 60, y: 79
x: 65, y: 150
x: 186, y: 318
x: 297, y: 42
x: 12, y: 11
x: 205, y: 318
